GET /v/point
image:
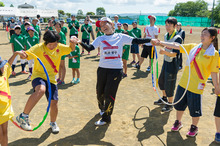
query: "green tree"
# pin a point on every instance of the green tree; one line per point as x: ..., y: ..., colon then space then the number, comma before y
x: 100, y: 11
x: 11, y: 5
x: 216, y: 14
x: 198, y: 8
x: 79, y: 12
x: 61, y: 12
x: 90, y: 13
x: 2, y: 4
x: 68, y: 15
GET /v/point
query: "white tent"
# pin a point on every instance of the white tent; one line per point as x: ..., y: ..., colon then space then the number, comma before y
x: 44, y: 13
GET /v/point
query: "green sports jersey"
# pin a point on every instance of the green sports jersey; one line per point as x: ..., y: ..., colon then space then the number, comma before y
x: 37, y: 30
x: 31, y: 41
x: 24, y: 31
x: 62, y: 38
x: 75, y: 62
x: 86, y: 29
x: 64, y: 30
x: 119, y: 30
x: 50, y: 28
x: 135, y: 32
x: 99, y: 32
x: 73, y: 30
x: 18, y: 41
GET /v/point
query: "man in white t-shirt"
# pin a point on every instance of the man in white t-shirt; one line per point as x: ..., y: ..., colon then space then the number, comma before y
x: 116, y: 22
x: 151, y: 32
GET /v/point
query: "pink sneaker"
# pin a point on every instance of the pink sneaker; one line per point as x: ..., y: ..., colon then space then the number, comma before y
x: 193, y: 131
x: 177, y: 126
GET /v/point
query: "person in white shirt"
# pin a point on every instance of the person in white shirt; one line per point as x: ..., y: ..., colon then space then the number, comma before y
x: 109, y: 73
x: 151, y: 32
x: 116, y: 21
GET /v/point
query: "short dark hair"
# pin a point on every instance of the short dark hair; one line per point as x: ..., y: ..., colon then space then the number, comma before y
x: 17, y: 28
x: 38, y: 16
x: 125, y: 24
x: 171, y: 20
x: 1, y: 73
x: 58, y: 24
x: 51, y: 36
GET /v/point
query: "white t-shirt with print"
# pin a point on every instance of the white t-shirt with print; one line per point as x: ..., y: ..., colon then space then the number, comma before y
x: 150, y: 31
x: 111, y: 49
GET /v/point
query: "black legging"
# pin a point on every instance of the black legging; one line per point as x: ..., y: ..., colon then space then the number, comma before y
x: 107, y: 85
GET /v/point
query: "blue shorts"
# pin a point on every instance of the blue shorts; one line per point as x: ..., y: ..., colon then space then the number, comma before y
x: 192, y: 100
x: 135, y: 48
x: 54, y: 89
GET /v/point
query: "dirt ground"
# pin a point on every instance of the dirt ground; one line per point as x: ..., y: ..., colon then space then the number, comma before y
x: 78, y: 108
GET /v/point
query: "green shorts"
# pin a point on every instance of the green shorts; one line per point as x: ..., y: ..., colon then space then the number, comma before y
x: 63, y: 57
x: 126, y: 53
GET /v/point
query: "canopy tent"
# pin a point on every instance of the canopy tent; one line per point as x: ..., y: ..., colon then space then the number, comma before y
x: 25, y: 6
x: 10, y: 11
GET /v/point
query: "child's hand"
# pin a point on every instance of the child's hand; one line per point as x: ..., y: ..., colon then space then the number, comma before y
x: 22, y: 54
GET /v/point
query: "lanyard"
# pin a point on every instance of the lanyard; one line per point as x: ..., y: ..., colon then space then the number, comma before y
x: 172, y: 35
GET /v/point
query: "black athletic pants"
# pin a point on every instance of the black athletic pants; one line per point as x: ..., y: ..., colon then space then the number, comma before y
x: 107, y: 85
x: 181, y: 60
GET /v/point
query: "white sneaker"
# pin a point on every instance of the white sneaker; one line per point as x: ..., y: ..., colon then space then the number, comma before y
x: 102, y: 112
x: 54, y: 127
x: 100, y: 123
x: 148, y: 69
x: 24, y: 122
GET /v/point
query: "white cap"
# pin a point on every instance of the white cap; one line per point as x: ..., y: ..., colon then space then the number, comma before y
x: 178, y: 23
x: 17, y: 26
x: 35, y: 19
x: 106, y: 19
x: 152, y: 16
x: 116, y: 16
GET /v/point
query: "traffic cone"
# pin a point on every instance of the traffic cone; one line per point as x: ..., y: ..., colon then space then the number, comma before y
x: 218, y: 31
x: 191, y: 31
x: 159, y: 30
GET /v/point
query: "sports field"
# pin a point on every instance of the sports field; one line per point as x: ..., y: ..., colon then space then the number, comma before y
x: 78, y: 108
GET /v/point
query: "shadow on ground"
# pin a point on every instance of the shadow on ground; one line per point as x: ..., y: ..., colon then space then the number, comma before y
x: 153, y: 126
x: 90, y: 134
x: 31, y: 141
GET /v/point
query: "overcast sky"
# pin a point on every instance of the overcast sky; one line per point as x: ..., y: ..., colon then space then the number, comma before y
x: 111, y: 6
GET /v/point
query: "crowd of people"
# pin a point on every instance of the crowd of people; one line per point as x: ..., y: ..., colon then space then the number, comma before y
x: 114, y: 41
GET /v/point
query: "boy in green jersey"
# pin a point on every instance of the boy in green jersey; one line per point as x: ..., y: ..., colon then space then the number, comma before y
x: 36, y: 27
x: 31, y: 41
x: 62, y: 69
x: 17, y: 44
x: 136, y: 33
x: 126, y: 49
x: 73, y: 26
x: 119, y: 30
x: 86, y: 29
x: 63, y: 28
